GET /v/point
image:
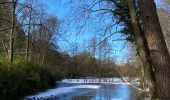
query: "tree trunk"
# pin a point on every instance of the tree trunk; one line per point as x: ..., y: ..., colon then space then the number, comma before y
x: 4, y: 47
x: 27, y: 56
x: 139, y: 41
x: 158, y: 51
x: 11, y: 40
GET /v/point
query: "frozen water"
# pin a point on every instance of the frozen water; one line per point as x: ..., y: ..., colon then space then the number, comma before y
x: 62, y: 90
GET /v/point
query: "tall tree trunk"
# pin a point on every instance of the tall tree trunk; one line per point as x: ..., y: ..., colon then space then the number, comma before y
x: 139, y: 41
x: 27, y: 56
x: 11, y: 40
x: 158, y: 50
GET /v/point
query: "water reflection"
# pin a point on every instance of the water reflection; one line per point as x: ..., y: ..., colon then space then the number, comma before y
x: 110, y: 92
x: 105, y: 92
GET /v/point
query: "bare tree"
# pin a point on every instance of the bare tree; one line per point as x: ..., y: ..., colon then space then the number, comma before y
x: 28, y: 32
x: 93, y: 49
x: 13, y: 23
x: 49, y: 33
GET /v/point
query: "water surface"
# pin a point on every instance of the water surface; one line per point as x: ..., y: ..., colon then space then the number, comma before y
x: 106, y: 92
x: 70, y: 91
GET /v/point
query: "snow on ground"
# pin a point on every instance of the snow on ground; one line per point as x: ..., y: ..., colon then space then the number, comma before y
x: 101, y: 80
x: 62, y: 90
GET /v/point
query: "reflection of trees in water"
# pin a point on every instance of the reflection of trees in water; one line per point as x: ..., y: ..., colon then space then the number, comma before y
x: 106, y: 92
x: 82, y: 98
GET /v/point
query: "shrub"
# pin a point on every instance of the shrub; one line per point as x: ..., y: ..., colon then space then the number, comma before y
x: 23, y: 78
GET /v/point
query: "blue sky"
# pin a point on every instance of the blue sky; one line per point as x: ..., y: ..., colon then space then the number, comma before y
x: 56, y: 7
x: 59, y: 8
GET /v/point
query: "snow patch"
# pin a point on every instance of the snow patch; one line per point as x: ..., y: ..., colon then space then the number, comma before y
x: 62, y: 90
x: 102, y: 80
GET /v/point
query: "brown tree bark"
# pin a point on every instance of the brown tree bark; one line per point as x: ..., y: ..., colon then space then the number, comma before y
x: 140, y: 43
x: 158, y: 50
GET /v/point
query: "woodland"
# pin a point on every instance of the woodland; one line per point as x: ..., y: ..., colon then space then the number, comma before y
x: 31, y: 58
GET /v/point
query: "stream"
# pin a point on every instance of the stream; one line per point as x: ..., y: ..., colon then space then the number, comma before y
x: 88, y: 91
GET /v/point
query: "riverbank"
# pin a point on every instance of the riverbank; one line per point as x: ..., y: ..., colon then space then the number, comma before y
x: 24, y: 78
